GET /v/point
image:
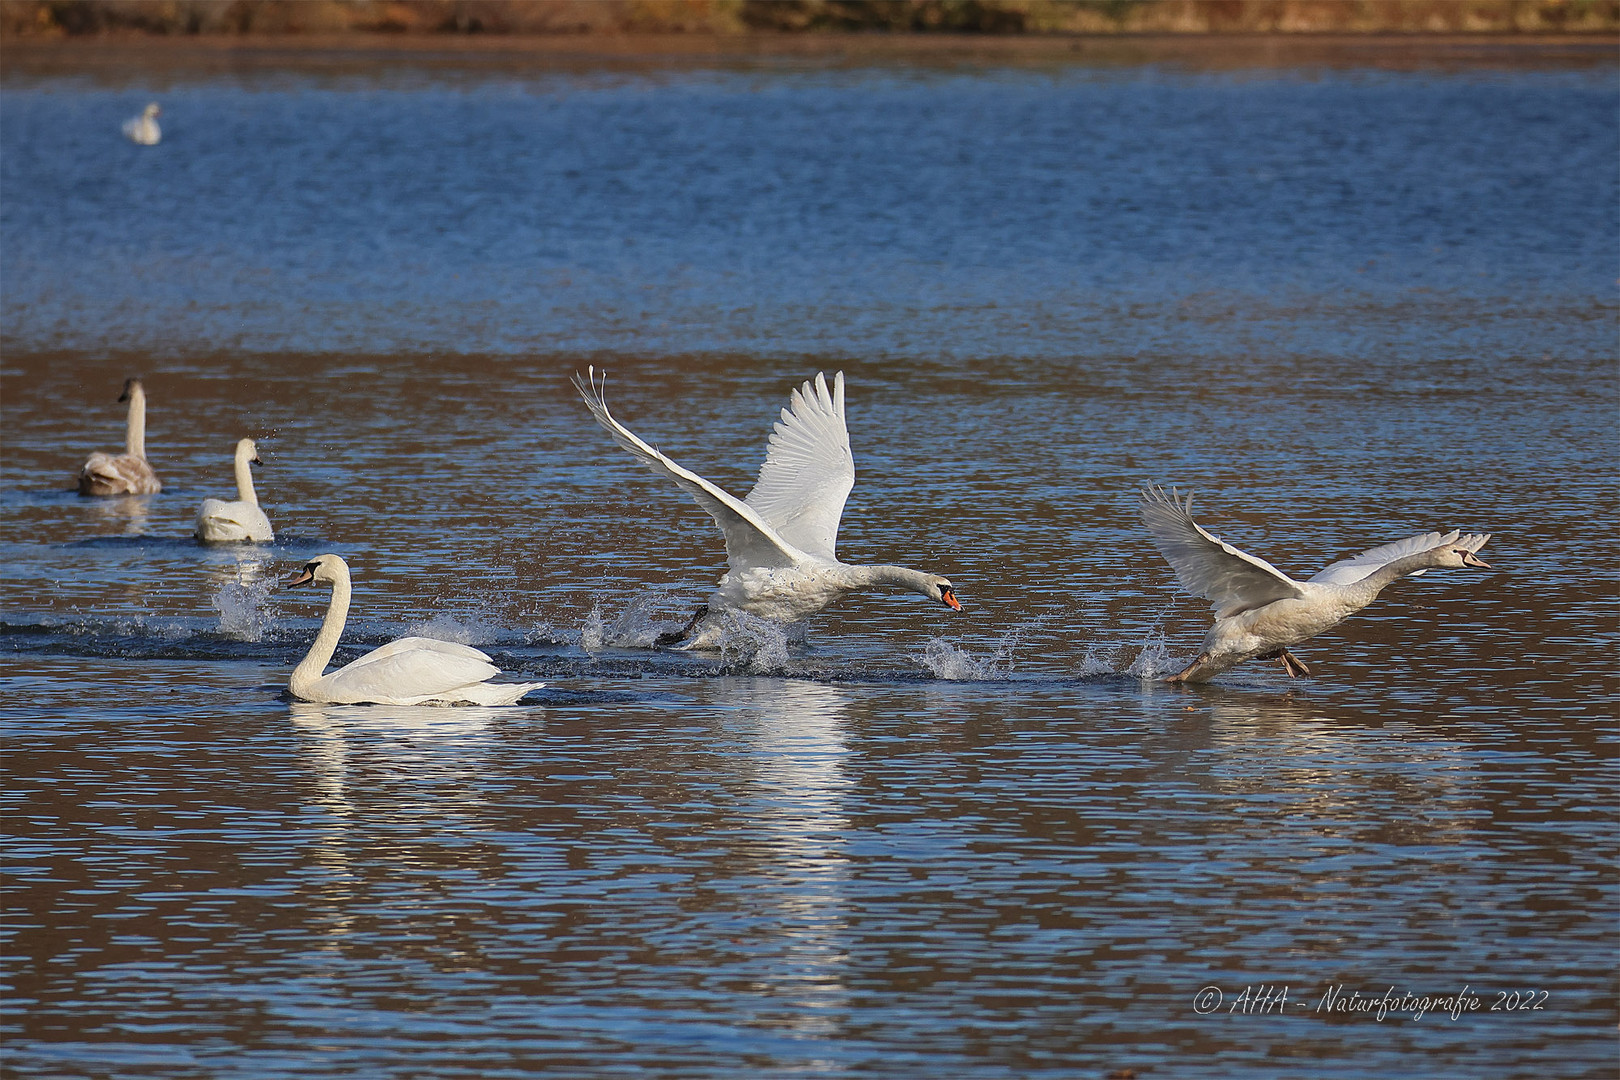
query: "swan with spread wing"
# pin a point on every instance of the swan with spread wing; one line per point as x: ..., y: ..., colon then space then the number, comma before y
x: 1261, y: 611
x: 409, y: 671
x: 781, y: 539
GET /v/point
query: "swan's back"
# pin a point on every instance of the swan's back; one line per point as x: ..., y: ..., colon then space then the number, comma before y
x: 222, y: 522
x: 117, y: 474
x: 412, y: 670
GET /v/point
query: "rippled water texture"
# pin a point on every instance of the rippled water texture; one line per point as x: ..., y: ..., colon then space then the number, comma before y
x: 1343, y: 303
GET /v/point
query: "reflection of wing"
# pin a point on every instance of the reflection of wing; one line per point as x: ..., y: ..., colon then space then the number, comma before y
x: 1234, y: 580
x: 750, y: 539
x: 1351, y: 570
x: 808, y: 470
x: 415, y: 668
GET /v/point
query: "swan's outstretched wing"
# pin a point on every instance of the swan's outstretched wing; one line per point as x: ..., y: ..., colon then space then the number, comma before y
x: 808, y: 470
x: 413, y: 668
x: 1351, y: 570
x: 1206, y: 566
x: 750, y: 539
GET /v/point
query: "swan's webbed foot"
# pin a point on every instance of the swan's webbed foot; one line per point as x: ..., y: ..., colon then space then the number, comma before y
x: 1291, y: 663
x: 1186, y: 674
x: 671, y: 637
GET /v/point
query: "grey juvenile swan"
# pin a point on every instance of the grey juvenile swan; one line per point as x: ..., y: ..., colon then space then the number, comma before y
x: 126, y: 473
x: 780, y: 540
x: 1261, y: 611
x: 410, y: 671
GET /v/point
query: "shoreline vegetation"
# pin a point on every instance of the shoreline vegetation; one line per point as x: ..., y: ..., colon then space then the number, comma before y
x: 408, y: 23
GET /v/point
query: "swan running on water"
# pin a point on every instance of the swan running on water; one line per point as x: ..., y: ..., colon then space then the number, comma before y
x: 780, y: 540
x: 126, y: 473
x: 410, y: 671
x: 143, y: 129
x: 221, y: 522
x: 1261, y: 611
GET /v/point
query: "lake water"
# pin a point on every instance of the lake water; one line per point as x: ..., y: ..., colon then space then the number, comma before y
x: 1345, y: 302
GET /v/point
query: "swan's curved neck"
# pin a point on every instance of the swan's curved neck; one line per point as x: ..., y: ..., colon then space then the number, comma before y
x: 135, y: 432
x: 244, y: 478
x: 899, y: 576
x: 325, y: 644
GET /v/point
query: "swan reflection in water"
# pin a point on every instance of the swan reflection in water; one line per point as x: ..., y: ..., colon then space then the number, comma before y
x: 798, y: 866
x: 377, y: 771
x: 127, y: 513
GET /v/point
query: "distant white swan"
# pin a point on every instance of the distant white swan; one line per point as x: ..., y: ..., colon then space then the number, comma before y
x: 1261, y: 611
x: 221, y: 522
x: 144, y: 128
x: 410, y: 671
x: 126, y: 473
x: 780, y: 540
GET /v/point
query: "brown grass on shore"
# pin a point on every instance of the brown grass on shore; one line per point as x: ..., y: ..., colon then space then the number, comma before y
x: 38, y: 19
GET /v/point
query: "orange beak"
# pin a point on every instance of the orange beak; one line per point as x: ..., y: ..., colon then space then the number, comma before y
x: 948, y: 596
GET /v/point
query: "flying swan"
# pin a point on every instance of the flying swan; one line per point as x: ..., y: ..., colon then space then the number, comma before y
x: 143, y: 129
x: 221, y: 522
x: 126, y: 473
x: 1261, y: 611
x: 780, y: 540
x: 410, y: 671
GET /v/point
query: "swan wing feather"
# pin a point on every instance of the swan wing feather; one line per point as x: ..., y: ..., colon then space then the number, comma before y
x: 412, y: 669
x: 221, y: 520
x: 751, y: 541
x: 809, y: 470
x: 1207, y: 566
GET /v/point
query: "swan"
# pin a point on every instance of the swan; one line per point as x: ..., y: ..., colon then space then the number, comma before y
x: 126, y: 473
x: 143, y: 129
x: 220, y: 522
x: 410, y: 671
x: 780, y: 540
x: 1261, y: 611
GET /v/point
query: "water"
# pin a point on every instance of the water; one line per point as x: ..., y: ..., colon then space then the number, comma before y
x: 1344, y: 303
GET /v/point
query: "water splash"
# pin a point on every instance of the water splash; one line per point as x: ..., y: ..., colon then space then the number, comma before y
x: 245, y: 606
x: 633, y: 628
x: 947, y: 661
x: 1153, y: 660
x: 446, y: 628
x: 749, y: 643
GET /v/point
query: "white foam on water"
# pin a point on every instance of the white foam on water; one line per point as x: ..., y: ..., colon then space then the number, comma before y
x: 633, y: 628
x: 749, y: 643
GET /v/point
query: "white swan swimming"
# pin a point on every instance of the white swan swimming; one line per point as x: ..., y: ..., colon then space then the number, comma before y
x: 221, y: 522
x: 780, y: 540
x: 143, y: 129
x: 410, y: 671
x: 1261, y: 611
x: 126, y: 473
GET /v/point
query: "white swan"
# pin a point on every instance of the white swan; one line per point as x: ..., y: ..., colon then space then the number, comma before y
x: 221, y: 522
x: 143, y: 129
x: 1261, y: 611
x: 126, y: 473
x: 780, y: 540
x: 410, y: 671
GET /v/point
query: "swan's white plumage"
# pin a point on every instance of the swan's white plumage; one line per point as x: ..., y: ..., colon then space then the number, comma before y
x: 144, y: 129
x: 408, y: 671
x: 239, y: 521
x: 127, y: 473
x: 1207, y: 566
x: 781, y: 541
x: 809, y: 470
x: 1259, y: 610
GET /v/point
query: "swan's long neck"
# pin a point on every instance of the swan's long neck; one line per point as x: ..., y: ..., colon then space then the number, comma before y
x: 899, y: 576
x: 325, y: 644
x: 244, y: 477
x: 135, y: 432
x: 1367, y: 589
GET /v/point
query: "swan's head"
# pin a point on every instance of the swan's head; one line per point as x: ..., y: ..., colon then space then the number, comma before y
x: 322, y: 570
x: 152, y: 110
x: 131, y: 388
x: 940, y: 589
x: 248, y: 450
x: 1460, y: 552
